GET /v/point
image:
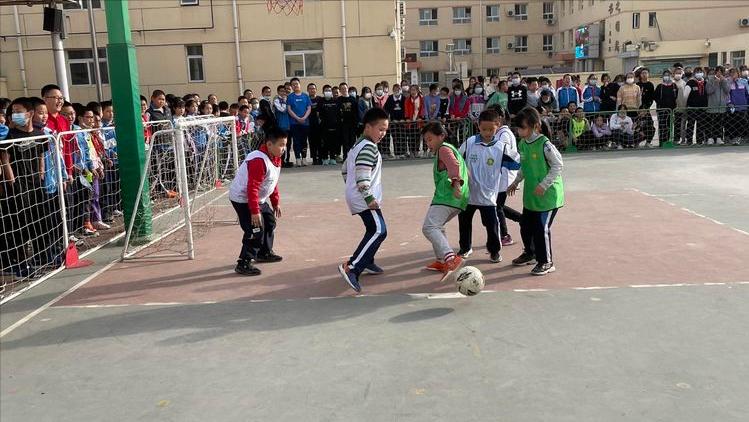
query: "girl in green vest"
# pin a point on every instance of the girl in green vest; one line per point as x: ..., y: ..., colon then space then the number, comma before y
x: 450, y: 196
x: 543, y: 191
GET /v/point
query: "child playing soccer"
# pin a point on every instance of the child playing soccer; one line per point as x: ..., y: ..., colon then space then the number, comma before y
x: 488, y: 171
x: 256, y: 183
x: 543, y: 192
x: 450, y: 196
x: 362, y: 171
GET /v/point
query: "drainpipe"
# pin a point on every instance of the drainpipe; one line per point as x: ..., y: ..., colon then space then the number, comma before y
x: 236, y: 45
x: 343, y: 37
x: 95, y: 50
x: 21, y: 62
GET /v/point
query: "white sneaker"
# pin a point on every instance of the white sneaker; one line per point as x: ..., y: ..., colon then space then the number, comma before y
x: 100, y: 225
x: 298, y: 162
x: 737, y: 141
x: 710, y: 141
x: 117, y: 213
x: 719, y: 141
x: 642, y: 144
x: 619, y: 147
x: 650, y: 145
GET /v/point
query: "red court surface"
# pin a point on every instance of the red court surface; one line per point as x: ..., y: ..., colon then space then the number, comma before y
x: 600, y: 239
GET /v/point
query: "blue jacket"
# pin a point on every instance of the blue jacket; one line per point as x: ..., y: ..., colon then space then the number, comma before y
x: 82, y: 159
x: 428, y: 101
x: 566, y: 95
x: 590, y: 105
x: 739, y: 94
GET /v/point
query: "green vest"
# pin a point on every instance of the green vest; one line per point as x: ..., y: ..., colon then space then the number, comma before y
x: 535, y: 168
x: 443, y: 190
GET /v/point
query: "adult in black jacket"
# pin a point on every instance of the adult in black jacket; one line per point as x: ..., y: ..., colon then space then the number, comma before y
x: 608, y: 93
x: 517, y: 95
x: 395, y: 106
x: 646, y: 87
x: 266, y: 106
x: 329, y: 115
x: 665, y: 101
x: 349, y: 118
x: 697, y: 101
x: 314, y: 125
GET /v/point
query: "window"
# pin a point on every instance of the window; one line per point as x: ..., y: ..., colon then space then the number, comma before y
x: 738, y: 58
x: 521, y: 12
x: 303, y: 59
x: 461, y: 15
x: 427, y: 16
x: 195, y: 63
x: 462, y: 46
x: 635, y: 20
x: 724, y: 57
x: 96, y: 4
x: 492, y: 13
x: 548, y: 10
x: 428, y: 48
x: 428, y: 78
x: 548, y: 42
x: 81, y: 66
x: 492, y: 71
x: 712, y: 59
x: 652, y: 20
x: 521, y: 44
x: 189, y: 2
x: 492, y: 45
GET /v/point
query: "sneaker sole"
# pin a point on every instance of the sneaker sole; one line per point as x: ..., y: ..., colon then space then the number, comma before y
x: 447, y: 274
x: 467, y: 254
x: 433, y: 269
x: 370, y: 272
x: 550, y: 270
x: 523, y: 264
x: 495, y: 261
x: 247, y: 274
x: 342, y: 271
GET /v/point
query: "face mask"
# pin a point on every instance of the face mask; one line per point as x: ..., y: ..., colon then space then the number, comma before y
x: 677, y: 76
x: 255, y: 106
x: 478, y: 90
x: 666, y: 79
x: 630, y: 80
x: 266, y: 97
x: 379, y: 92
x: 368, y: 95
x: 328, y: 94
x: 745, y: 73
x: 593, y: 82
x: 352, y: 94
x: 699, y: 75
x: 458, y: 92
x: 515, y: 81
x: 405, y: 89
x: 19, y: 119
x: 544, y: 86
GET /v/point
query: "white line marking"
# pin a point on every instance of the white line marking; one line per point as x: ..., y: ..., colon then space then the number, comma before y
x: 595, y: 288
x: 530, y: 290
x: 714, y: 284
x: 39, y: 310
x: 120, y: 305
x: 412, y: 197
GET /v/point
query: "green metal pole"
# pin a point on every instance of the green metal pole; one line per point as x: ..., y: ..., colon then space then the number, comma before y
x: 123, y: 77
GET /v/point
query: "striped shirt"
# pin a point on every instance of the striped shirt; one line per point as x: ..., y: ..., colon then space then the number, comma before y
x: 362, y: 173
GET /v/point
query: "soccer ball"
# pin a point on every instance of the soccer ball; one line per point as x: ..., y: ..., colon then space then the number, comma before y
x: 469, y: 280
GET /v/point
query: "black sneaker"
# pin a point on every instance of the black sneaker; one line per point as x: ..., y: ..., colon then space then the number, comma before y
x: 495, y: 257
x: 270, y: 257
x: 524, y: 259
x: 246, y: 268
x: 465, y: 254
x: 543, y: 269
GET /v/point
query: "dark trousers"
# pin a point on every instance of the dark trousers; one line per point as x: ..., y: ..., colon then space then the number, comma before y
x: 488, y: 218
x: 680, y: 116
x: 664, y: 126
x: 535, y: 228
x: 331, y: 144
x: 737, y: 124
x: 255, y: 240
x: 315, y: 143
x: 504, y: 213
x: 700, y: 118
x: 348, y: 136
x: 110, y: 192
x: 375, y: 234
x: 298, y: 135
x: 76, y: 203
x: 715, y: 125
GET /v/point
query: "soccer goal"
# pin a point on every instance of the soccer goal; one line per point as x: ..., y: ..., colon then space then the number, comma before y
x: 187, y: 166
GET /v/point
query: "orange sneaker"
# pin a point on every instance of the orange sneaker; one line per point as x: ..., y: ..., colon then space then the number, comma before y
x: 436, y: 266
x: 451, y: 265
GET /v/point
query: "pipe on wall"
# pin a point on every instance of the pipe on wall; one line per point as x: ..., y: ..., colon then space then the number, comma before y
x: 21, y: 61
x: 343, y: 38
x: 236, y: 45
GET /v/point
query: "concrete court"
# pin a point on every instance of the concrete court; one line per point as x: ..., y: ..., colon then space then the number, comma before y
x: 581, y: 344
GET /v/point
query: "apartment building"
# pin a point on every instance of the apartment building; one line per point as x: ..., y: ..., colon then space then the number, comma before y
x: 189, y: 45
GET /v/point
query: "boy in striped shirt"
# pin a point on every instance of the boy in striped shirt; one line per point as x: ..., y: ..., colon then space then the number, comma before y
x: 362, y: 172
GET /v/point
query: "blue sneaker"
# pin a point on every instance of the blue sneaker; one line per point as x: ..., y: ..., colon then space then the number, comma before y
x: 374, y: 269
x: 350, y: 278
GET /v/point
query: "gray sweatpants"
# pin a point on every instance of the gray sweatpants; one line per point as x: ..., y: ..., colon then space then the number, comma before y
x: 434, y: 228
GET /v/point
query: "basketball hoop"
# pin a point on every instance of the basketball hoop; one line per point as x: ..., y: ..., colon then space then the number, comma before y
x: 287, y: 7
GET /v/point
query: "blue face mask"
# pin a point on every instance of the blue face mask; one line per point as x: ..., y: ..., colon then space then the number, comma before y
x: 19, y: 119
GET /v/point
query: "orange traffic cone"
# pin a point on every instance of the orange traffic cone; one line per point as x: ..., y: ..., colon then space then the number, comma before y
x: 72, y: 260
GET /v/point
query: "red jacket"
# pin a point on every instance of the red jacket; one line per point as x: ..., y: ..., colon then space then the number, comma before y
x: 411, y: 107
x: 58, y: 124
x: 255, y: 176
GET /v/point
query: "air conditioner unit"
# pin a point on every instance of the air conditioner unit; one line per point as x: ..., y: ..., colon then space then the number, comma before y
x: 510, y: 45
x: 510, y: 12
x: 744, y: 22
x: 551, y: 21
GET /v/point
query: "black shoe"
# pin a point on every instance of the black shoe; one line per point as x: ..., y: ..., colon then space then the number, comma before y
x: 495, y: 258
x: 270, y: 257
x: 524, y: 259
x: 543, y: 269
x: 246, y: 268
x: 317, y: 162
x: 287, y: 164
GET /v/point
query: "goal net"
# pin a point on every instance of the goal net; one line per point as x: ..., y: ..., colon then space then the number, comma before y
x: 187, y: 167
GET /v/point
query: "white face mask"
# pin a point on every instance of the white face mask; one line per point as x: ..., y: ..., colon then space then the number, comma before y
x: 478, y: 90
x: 328, y: 94
x: 458, y: 92
x: 677, y: 76
x: 630, y: 80
x: 352, y: 94
x: 255, y: 106
x: 699, y: 75
x: 544, y: 85
x: 404, y: 89
x: 745, y: 73
x: 368, y: 95
x: 379, y: 92
x: 515, y: 81
x: 19, y: 119
x: 666, y: 79
x: 593, y: 82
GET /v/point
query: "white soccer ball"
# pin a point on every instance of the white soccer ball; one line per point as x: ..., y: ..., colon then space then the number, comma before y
x: 469, y: 280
